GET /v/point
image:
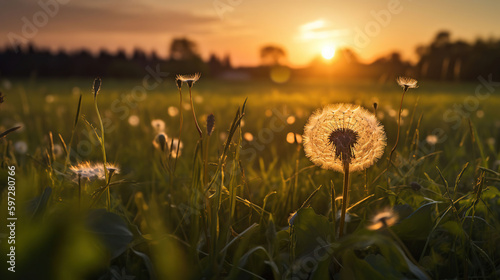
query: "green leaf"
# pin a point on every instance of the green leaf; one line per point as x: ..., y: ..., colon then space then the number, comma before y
x: 311, y: 231
x: 111, y: 230
x: 419, y: 224
x: 38, y: 204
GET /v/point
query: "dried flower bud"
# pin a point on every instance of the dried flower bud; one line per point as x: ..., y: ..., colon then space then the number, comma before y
x: 415, y: 186
x: 375, y: 105
x: 210, y: 124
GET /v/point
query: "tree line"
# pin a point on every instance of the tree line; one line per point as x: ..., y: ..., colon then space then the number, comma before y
x: 441, y: 59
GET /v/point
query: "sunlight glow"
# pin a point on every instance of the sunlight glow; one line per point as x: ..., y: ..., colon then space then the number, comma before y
x: 328, y: 52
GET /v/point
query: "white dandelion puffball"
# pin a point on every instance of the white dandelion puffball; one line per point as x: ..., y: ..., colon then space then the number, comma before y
x: 341, y: 133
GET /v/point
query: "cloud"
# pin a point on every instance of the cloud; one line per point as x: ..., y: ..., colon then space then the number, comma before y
x: 106, y: 17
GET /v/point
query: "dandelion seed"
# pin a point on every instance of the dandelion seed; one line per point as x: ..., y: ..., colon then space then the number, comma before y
x: 133, y: 120
x: 210, y: 124
x: 480, y: 114
x: 431, y: 139
x: 344, y: 132
x: 407, y: 83
x: 186, y: 106
x: 384, y: 219
x: 97, y: 86
x: 158, y: 125
x: 188, y: 79
x: 94, y: 171
x: 21, y: 147
x: 392, y: 113
x: 290, y: 120
x: 173, y: 111
x: 248, y: 136
x: 290, y: 137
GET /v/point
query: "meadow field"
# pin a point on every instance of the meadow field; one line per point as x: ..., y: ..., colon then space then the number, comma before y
x: 221, y: 207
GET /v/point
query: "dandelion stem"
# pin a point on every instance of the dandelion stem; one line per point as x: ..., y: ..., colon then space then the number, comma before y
x: 399, y: 127
x: 194, y: 115
x: 103, y: 154
x: 345, y: 197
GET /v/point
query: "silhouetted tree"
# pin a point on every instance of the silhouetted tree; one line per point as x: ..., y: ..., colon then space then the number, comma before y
x: 272, y: 55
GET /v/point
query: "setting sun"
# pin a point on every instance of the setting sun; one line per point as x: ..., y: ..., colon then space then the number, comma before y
x: 328, y: 52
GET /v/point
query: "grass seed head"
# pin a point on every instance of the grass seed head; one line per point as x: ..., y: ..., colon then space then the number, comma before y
x: 96, y: 86
x: 210, y: 124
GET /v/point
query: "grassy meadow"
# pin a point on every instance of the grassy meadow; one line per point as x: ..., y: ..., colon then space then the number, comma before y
x: 223, y: 211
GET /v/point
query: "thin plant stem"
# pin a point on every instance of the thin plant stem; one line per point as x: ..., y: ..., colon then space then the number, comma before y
x: 399, y: 127
x: 194, y: 115
x: 345, y: 197
x: 106, y: 175
x: 181, y: 120
x: 79, y: 191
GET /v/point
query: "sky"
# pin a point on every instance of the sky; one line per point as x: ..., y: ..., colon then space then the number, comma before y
x: 239, y: 28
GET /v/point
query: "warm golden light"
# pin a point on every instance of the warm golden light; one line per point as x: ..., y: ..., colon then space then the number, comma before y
x: 328, y: 52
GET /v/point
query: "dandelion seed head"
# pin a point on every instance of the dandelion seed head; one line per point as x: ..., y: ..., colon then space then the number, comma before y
x: 173, y: 111
x: 431, y: 139
x: 174, y: 144
x: 93, y: 171
x: 158, y: 125
x: 21, y: 147
x: 407, y: 83
x: 58, y: 150
x: 343, y: 132
x: 161, y: 141
x: 248, y: 136
x: 133, y: 120
x: 386, y: 218
x: 188, y: 79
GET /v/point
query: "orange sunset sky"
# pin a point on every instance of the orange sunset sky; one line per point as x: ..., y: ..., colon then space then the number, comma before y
x: 241, y: 27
